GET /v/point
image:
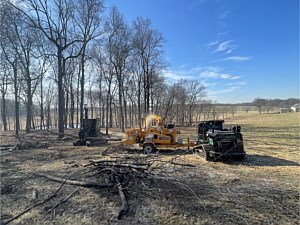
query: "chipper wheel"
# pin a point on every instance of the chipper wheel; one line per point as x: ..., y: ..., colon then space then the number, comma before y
x: 149, y: 148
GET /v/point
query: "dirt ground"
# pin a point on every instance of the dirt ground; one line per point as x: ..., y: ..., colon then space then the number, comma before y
x: 262, y: 189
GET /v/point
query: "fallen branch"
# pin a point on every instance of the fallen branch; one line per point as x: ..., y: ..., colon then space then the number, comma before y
x: 33, y: 206
x: 93, y: 162
x: 118, y: 161
x: 124, y: 207
x: 64, y: 200
x: 74, y: 182
x: 181, y: 164
x: 133, y: 166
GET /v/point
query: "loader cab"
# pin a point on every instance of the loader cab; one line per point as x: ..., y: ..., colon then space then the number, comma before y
x: 205, y: 126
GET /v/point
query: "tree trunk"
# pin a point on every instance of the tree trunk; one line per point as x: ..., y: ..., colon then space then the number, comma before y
x: 77, y: 100
x: 121, y: 106
x: 139, y: 102
x: 130, y: 115
x: 48, y: 116
x: 3, y: 111
x: 125, y: 109
x: 82, y: 85
x: 17, y: 109
x: 42, y: 105
x: 125, y: 114
x: 28, y: 107
x: 66, y: 107
x: 107, y: 108
x: 110, y: 113
x: 72, y: 110
x: 190, y: 115
x: 103, y: 113
x: 33, y: 124
x: 145, y: 95
x: 91, y: 102
x: 61, y: 100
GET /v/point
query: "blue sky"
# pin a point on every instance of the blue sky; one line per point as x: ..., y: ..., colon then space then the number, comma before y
x: 239, y: 49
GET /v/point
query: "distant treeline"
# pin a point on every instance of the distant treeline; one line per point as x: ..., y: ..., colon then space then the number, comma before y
x: 287, y: 103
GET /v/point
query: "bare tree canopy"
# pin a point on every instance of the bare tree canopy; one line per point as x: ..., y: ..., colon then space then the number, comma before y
x: 114, y: 67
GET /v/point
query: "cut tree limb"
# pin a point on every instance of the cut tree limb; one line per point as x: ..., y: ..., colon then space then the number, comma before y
x: 133, y: 166
x: 124, y: 207
x: 75, y: 182
x: 183, y: 164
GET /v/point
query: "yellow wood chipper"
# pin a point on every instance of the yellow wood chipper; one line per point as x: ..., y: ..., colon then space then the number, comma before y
x: 153, y: 134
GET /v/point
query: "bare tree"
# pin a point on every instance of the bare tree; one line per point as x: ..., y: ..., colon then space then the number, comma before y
x: 54, y: 19
x: 69, y: 91
x: 10, y: 49
x: 195, y: 92
x: 87, y: 18
x: 259, y: 103
x: 32, y: 64
x: 148, y: 46
x: 106, y: 71
x: 168, y: 99
x: 4, y: 82
x: 50, y: 105
x: 119, y: 47
x: 136, y: 85
x: 41, y: 68
x: 232, y: 109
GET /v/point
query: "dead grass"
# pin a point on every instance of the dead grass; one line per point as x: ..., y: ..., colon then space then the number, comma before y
x: 263, y: 189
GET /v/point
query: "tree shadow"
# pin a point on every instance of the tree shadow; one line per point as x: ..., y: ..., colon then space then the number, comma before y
x: 162, y: 151
x: 175, y: 152
x: 263, y: 160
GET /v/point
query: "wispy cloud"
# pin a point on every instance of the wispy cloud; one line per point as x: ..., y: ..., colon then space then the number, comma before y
x: 236, y: 58
x: 200, y: 72
x: 177, y: 75
x: 222, y: 33
x: 216, y: 92
x: 226, y: 47
x: 216, y: 72
x: 210, y: 44
x: 217, y: 81
x: 208, y: 84
x: 240, y: 83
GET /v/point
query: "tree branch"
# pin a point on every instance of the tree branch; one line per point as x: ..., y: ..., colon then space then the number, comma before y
x: 75, y: 182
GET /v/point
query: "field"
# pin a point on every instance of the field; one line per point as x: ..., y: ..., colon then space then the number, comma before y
x: 179, y: 188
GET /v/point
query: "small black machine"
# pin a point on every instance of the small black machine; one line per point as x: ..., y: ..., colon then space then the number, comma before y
x: 217, y: 143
